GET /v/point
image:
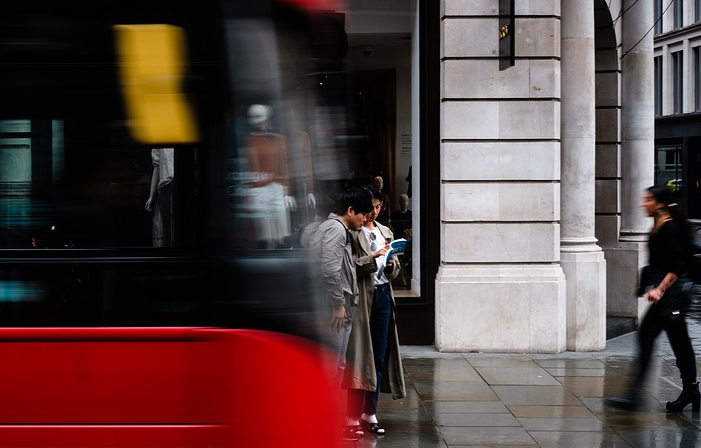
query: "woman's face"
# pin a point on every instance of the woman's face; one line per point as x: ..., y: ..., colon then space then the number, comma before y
x: 650, y: 204
x: 376, y: 207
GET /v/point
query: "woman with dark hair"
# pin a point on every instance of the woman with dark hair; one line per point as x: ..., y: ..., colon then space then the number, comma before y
x: 664, y: 283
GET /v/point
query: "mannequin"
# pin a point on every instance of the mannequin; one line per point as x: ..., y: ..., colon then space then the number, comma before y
x: 400, y: 219
x: 383, y: 216
x: 270, y: 196
x: 160, y: 199
x: 308, y: 174
x: 300, y: 154
x: 401, y: 224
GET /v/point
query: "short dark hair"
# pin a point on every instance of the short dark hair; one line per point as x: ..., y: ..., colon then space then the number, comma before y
x: 358, y: 198
x: 374, y: 192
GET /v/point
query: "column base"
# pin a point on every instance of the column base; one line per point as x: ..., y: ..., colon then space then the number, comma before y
x: 501, y: 308
x: 586, y: 299
x: 624, y: 262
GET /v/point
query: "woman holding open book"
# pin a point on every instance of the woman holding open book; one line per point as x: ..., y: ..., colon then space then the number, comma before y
x: 373, y: 360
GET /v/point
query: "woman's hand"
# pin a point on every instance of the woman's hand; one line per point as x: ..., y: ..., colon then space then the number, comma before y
x: 382, y: 251
x: 655, y: 294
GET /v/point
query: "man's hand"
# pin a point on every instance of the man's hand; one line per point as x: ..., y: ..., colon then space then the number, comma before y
x: 338, y: 318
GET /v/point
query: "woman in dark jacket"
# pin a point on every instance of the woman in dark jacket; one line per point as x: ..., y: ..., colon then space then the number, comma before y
x: 665, y: 285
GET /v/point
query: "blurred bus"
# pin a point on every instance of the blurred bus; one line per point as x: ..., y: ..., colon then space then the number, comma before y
x: 89, y: 90
x: 156, y: 173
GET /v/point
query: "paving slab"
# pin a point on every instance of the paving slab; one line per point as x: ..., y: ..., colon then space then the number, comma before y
x: 535, y: 400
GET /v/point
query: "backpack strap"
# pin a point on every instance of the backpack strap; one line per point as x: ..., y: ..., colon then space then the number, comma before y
x: 349, y: 237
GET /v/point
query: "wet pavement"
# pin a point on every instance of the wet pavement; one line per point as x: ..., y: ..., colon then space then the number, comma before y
x: 535, y: 400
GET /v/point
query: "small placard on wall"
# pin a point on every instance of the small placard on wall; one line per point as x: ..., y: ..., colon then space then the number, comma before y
x: 507, y: 56
x: 405, y: 144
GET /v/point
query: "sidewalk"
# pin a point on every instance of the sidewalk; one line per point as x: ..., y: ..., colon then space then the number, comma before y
x: 497, y: 400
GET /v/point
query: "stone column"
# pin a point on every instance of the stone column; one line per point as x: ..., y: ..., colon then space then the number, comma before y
x: 637, y: 154
x: 581, y: 258
x: 500, y: 287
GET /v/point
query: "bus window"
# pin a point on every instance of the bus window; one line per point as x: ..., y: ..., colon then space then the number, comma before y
x: 227, y: 142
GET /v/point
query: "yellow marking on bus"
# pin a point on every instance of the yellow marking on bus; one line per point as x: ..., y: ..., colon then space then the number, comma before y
x: 152, y: 65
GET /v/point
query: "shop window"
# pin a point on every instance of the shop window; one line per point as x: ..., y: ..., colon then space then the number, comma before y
x: 668, y: 166
x: 73, y: 174
x: 373, y: 96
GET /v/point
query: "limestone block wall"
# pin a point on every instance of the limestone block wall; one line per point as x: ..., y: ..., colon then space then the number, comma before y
x: 500, y: 287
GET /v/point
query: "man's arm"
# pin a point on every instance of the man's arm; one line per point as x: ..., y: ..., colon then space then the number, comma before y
x: 333, y: 242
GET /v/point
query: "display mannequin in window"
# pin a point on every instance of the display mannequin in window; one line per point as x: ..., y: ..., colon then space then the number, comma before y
x: 307, y: 175
x: 400, y: 221
x: 160, y: 199
x: 270, y: 196
x: 383, y: 217
x: 302, y: 184
x: 302, y: 166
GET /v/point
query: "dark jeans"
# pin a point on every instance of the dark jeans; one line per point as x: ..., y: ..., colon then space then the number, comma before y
x: 658, y: 318
x: 380, y: 314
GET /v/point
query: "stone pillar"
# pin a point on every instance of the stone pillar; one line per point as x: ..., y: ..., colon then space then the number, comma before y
x: 582, y: 259
x: 500, y: 287
x: 637, y: 155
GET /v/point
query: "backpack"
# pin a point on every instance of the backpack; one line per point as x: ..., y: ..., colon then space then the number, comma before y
x: 311, y: 237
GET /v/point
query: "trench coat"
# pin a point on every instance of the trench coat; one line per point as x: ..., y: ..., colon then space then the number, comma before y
x: 360, y: 362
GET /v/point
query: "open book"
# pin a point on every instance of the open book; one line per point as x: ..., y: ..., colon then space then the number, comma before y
x: 396, y: 247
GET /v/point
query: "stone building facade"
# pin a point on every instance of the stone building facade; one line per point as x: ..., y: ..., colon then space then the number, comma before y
x: 542, y: 166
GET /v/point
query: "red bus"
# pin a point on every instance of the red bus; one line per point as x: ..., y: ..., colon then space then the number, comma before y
x: 155, y: 176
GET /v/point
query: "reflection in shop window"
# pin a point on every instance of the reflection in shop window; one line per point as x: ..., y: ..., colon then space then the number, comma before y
x: 668, y: 166
x: 26, y: 220
x: 15, y: 177
x: 72, y: 184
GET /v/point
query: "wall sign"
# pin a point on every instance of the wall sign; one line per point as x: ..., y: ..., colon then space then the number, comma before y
x: 507, y: 56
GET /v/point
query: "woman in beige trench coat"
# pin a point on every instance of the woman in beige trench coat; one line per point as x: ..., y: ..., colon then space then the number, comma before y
x: 373, y: 349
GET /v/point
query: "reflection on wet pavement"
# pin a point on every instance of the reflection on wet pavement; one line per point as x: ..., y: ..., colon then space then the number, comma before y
x: 499, y: 400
